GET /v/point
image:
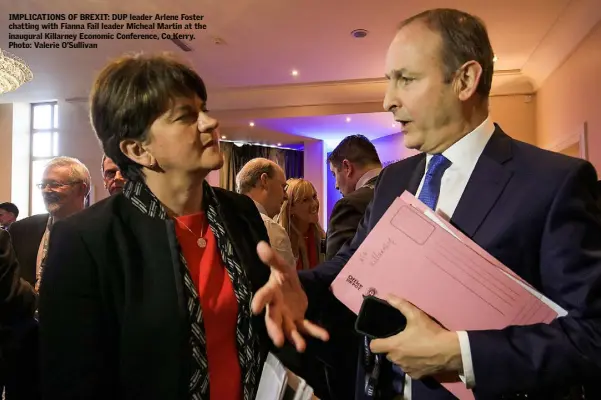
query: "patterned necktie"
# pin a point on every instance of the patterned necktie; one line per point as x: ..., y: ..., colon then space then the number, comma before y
x: 45, y: 241
x: 429, y: 196
x: 431, y: 188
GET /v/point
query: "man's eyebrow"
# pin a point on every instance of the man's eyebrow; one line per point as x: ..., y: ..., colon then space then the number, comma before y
x: 396, y: 73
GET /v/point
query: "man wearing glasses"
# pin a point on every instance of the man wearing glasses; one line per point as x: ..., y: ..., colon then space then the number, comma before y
x: 65, y: 186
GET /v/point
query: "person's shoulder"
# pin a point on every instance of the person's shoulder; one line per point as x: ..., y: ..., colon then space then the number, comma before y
x: 19, y: 230
x: 272, y: 225
x: 230, y: 198
x: 401, y: 166
x: 360, y: 195
x: 543, y: 159
x: 32, y: 220
x: 345, y: 203
x: 96, y: 218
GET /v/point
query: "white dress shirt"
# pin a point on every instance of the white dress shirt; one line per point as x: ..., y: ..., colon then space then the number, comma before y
x: 278, y: 237
x: 463, y: 155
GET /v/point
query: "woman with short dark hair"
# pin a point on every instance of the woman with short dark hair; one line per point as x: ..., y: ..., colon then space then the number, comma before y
x: 148, y: 293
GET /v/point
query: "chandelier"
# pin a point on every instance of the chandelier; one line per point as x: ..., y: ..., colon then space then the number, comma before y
x: 13, y: 72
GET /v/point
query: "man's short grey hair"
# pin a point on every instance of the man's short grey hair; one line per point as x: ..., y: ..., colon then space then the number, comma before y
x: 79, y: 172
x: 251, y: 172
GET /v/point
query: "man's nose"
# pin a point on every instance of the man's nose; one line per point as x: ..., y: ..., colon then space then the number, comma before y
x: 119, y: 176
x: 391, y: 100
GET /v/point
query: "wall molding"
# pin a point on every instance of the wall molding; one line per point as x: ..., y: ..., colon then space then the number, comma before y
x: 579, y: 136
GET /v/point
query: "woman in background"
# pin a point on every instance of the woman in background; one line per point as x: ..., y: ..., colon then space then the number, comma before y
x: 299, y: 215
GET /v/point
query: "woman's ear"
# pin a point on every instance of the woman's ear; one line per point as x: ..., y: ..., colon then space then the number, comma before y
x: 135, y: 151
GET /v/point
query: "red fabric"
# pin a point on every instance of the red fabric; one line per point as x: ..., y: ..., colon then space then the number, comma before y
x: 312, y: 255
x: 218, y: 302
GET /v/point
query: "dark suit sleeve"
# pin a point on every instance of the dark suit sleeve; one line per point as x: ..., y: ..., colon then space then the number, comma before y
x: 342, y: 226
x: 17, y: 297
x: 74, y: 350
x: 316, y: 281
x: 566, y: 352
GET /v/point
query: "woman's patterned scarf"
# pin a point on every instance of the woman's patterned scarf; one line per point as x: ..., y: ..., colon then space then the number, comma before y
x: 249, y: 353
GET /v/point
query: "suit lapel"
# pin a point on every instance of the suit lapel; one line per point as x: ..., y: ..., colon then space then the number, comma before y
x: 39, y: 229
x: 160, y: 250
x: 485, y: 185
x: 418, y: 173
x: 233, y: 227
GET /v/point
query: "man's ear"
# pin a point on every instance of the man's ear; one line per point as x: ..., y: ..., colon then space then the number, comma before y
x: 135, y: 151
x: 263, y: 179
x: 85, y: 189
x: 467, y: 79
x: 347, y: 167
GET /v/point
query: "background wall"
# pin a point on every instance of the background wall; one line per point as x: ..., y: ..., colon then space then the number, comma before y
x: 571, y: 96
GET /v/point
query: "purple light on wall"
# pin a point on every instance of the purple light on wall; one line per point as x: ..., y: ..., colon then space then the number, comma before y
x: 333, y: 195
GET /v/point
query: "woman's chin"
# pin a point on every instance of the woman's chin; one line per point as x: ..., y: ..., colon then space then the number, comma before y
x: 212, y: 162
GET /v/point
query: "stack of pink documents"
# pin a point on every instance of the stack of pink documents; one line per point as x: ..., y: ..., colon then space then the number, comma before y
x: 417, y: 255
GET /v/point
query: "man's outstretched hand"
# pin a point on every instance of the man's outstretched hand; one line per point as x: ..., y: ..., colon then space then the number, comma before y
x: 285, y: 302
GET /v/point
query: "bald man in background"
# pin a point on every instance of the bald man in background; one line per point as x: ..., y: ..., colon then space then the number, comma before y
x: 265, y: 183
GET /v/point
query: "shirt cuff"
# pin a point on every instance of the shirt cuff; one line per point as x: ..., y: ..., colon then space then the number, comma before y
x: 466, y: 358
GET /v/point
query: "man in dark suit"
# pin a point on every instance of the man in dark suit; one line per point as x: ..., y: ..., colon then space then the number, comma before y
x: 65, y: 186
x: 17, y: 306
x: 66, y: 183
x: 27, y: 235
x: 534, y: 210
x: 355, y: 165
x: 112, y: 176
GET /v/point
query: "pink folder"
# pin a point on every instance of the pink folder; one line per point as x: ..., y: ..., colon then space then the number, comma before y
x: 417, y: 255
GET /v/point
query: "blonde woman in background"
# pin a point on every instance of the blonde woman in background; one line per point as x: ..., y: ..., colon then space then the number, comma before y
x: 299, y: 215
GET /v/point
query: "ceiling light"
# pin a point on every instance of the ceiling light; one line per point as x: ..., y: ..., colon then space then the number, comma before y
x: 495, y: 58
x: 279, y: 144
x: 359, y: 33
x: 14, y: 72
x: 348, y: 119
x: 223, y: 137
x: 294, y: 72
x: 251, y: 123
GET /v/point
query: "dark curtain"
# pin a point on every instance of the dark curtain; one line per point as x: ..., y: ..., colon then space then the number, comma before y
x: 294, y: 163
x: 236, y: 156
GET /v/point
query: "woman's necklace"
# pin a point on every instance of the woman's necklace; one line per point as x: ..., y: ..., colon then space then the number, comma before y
x: 201, y: 242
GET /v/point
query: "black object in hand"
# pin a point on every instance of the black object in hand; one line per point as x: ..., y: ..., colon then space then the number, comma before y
x: 377, y: 319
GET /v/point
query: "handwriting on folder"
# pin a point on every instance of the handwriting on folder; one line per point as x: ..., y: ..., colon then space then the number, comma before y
x: 416, y: 255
